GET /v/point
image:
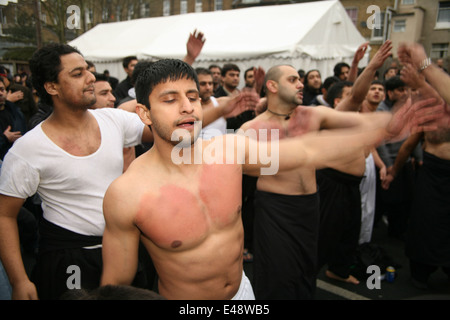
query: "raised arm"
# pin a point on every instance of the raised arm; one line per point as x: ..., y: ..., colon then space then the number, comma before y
x: 359, y: 54
x: 362, y: 84
x: 414, y: 54
x: 194, y: 46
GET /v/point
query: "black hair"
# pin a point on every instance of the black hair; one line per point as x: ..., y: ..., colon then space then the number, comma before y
x: 126, y: 61
x: 307, y: 87
x: 45, y: 66
x: 329, y: 82
x: 160, y: 72
x: 229, y: 67
x: 336, y: 90
x: 140, y: 66
x: 377, y: 82
x: 338, y: 67
x: 100, y: 77
x: 301, y: 73
x: 201, y: 70
x: 246, y: 71
x: 393, y: 83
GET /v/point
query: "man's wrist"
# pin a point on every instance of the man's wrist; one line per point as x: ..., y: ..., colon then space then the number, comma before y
x: 425, y: 64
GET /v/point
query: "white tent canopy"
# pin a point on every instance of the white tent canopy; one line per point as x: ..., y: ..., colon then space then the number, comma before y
x: 313, y: 35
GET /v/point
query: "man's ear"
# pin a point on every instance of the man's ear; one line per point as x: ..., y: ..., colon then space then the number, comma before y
x: 144, y: 113
x: 272, y: 86
x: 51, y: 88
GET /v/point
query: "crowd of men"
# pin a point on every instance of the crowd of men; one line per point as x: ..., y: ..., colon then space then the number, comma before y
x: 88, y: 177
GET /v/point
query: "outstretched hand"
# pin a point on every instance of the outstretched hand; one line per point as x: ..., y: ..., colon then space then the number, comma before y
x: 413, y: 118
x: 244, y: 101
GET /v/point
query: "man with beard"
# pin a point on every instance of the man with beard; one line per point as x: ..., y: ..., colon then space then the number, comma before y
x: 188, y: 214
x: 69, y: 160
x: 313, y: 84
x: 287, y: 204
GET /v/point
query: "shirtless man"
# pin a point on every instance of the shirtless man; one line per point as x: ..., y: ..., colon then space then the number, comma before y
x: 189, y: 215
x: 427, y: 235
x: 286, y: 242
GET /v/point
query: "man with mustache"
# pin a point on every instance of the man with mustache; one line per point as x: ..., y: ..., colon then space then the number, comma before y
x: 69, y: 159
x: 188, y: 215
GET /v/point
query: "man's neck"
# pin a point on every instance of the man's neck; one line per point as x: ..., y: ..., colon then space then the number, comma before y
x: 229, y: 90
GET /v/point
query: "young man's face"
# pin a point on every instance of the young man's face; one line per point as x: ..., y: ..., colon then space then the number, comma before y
x: 216, y: 74
x: 104, y: 95
x: 290, y: 88
x: 314, y: 80
x: 398, y: 94
x: 175, y: 105
x: 250, y: 79
x: 344, y: 73
x: 375, y: 94
x: 75, y: 86
x: 206, y: 86
x: 231, y: 79
x: 2, y: 94
x: 129, y: 70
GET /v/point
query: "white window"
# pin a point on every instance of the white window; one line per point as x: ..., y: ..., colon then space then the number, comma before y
x: 218, y: 5
x: 399, y: 25
x: 378, y: 30
x: 166, y: 8
x: 353, y: 14
x: 408, y: 1
x: 443, y: 16
x: 145, y: 10
x: 439, y: 50
x: 183, y: 6
x: 198, y: 5
x: 130, y: 13
x: 118, y: 13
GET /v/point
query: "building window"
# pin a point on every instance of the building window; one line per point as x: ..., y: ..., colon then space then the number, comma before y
x: 130, y: 13
x: 443, y: 16
x: 166, y: 8
x: 406, y: 2
x: 105, y: 14
x: 353, y: 14
x: 145, y: 10
x: 183, y: 6
x: 218, y: 5
x: 378, y: 30
x: 439, y: 50
x: 198, y: 5
x: 399, y: 26
x: 118, y: 13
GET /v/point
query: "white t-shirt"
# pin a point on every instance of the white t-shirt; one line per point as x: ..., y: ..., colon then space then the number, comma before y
x: 216, y: 128
x: 71, y: 188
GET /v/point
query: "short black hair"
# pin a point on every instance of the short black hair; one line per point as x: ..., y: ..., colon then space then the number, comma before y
x: 329, y: 82
x: 201, y: 70
x: 336, y: 90
x: 100, y: 77
x: 393, y: 83
x: 140, y: 66
x: 126, y: 61
x: 160, y: 72
x: 246, y: 71
x: 229, y: 67
x: 45, y: 66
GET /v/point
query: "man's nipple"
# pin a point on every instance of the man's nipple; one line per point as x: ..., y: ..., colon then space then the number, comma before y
x: 176, y: 244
